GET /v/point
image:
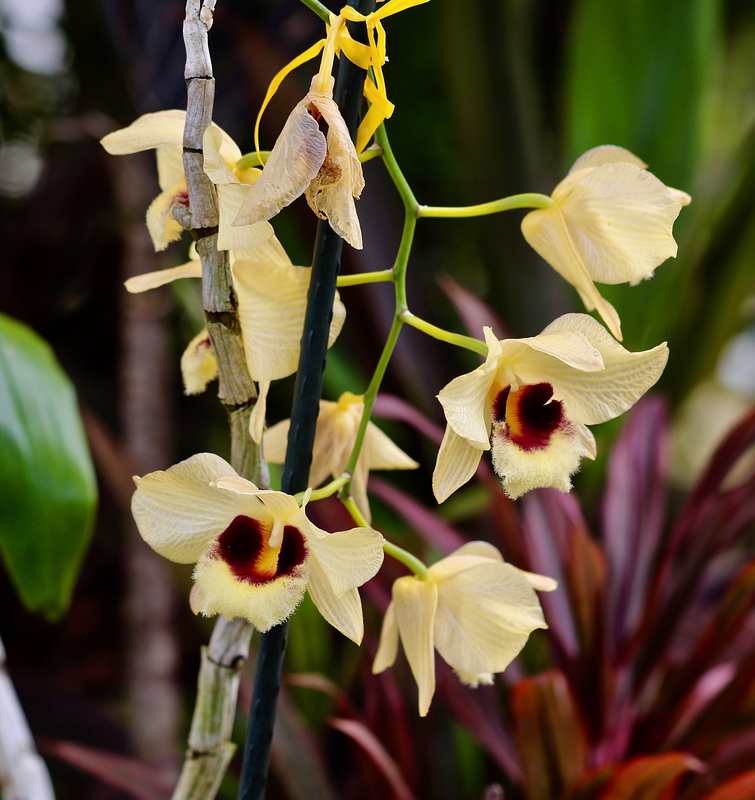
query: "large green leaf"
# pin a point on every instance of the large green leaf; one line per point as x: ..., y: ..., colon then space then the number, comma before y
x: 49, y: 492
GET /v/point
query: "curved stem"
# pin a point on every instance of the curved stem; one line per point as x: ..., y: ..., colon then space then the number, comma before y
x: 318, y: 8
x: 360, y: 278
x: 467, y: 342
x: 393, y: 550
x: 529, y: 200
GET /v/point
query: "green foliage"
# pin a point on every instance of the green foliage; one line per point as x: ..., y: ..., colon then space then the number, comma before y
x: 49, y: 491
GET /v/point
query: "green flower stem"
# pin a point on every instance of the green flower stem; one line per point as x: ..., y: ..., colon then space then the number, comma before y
x: 324, y: 491
x: 530, y: 200
x: 408, y: 560
x: 318, y: 8
x: 476, y: 345
x: 393, y: 550
x: 360, y: 278
x: 301, y: 435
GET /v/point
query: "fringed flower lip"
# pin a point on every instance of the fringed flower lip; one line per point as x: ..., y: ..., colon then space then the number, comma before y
x: 531, y: 400
x: 335, y: 435
x: 611, y: 222
x: 163, y: 131
x: 476, y: 610
x: 256, y: 553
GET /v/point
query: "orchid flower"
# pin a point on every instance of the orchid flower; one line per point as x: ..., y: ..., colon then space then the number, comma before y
x: 476, y: 611
x: 531, y: 402
x: 610, y: 222
x: 337, y: 426
x: 271, y: 294
x: 255, y: 550
x: 163, y: 131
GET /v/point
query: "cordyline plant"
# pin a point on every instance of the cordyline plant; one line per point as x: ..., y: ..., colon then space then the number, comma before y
x: 256, y: 550
x: 647, y: 685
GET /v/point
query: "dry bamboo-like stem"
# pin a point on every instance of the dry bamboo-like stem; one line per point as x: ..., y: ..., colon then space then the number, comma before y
x: 23, y: 773
x: 210, y: 748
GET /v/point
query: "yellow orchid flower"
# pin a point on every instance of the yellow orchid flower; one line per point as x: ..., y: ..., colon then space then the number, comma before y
x: 163, y: 131
x: 531, y: 402
x: 611, y: 222
x: 255, y: 550
x: 337, y: 426
x: 198, y: 365
x: 271, y: 295
x: 476, y: 611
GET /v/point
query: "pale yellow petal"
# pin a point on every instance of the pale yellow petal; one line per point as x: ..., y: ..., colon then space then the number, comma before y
x: 272, y: 303
x: 198, y: 364
x: 294, y: 160
x: 620, y: 220
x: 388, y: 646
x: 415, y: 604
x: 178, y: 513
x: 546, y: 231
x: 606, y: 154
x: 151, y: 280
x: 245, y: 237
x: 485, y: 615
x: 348, y: 558
x: 456, y: 464
x: 161, y: 224
x: 275, y: 442
x: 343, y: 612
x: 263, y: 604
x: 359, y: 487
x: 596, y: 397
x: 465, y: 399
x: 259, y: 412
x: 270, y: 251
x: 570, y: 348
x: 218, y: 169
x: 170, y: 165
x: 146, y: 133
x: 382, y: 453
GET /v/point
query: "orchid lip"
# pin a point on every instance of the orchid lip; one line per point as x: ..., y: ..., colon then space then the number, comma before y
x: 530, y: 414
x: 247, y: 546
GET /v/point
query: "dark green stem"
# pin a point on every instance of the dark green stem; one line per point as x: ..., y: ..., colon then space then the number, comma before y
x: 306, y: 406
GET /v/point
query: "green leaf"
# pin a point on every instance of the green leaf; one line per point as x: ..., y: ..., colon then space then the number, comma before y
x: 49, y: 494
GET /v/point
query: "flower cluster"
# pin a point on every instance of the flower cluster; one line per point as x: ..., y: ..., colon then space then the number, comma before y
x: 529, y: 404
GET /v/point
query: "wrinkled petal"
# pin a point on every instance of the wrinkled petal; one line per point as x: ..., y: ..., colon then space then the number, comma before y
x: 151, y: 280
x: 178, y: 513
x: 456, y: 464
x: 388, y: 646
x: 198, y: 364
x: 339, y: 180
x: 415, y: 603
x: 569, y: 347
x: 606, y: 154
x: 591, y: 398
x: 294, y: 161
x: 485, y: 615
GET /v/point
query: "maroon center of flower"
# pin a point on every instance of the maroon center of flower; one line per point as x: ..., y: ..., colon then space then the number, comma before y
x: 244, y: 546
x: 530, y: 416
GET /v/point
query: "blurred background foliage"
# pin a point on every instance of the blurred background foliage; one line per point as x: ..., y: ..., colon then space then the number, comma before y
x: 492, y: 98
